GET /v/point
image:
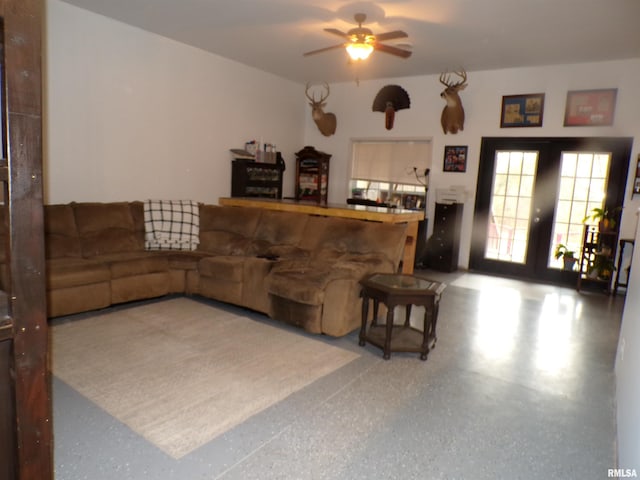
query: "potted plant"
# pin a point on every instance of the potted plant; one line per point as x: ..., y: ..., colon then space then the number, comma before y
x: 568, y: 256
x: 606, y: 219
x: 602, y: 267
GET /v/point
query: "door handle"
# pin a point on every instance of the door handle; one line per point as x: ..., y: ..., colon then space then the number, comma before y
x: 537, y: 218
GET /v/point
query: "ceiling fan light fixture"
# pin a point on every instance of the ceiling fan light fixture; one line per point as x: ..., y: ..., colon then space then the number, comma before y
x: 359, y: 51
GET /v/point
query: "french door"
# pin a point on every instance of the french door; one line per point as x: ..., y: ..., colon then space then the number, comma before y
x: 533, y: 194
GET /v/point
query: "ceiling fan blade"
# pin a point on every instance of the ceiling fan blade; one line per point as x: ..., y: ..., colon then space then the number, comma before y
x: 391, y: 35
x: 392, y: 50
x: 335, y: 31
x: 320, y: 50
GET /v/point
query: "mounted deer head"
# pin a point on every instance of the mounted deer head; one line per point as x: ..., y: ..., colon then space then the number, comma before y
x: 326, y: 122
x: 452, y: 118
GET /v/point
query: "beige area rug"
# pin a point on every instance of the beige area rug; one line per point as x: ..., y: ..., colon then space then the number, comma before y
x: 180, y: 373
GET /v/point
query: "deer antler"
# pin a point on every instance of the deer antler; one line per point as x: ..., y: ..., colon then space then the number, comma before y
x: 322, y: 97
x: 445, y: 78
x: 306, y: 93
x: 463, y: 75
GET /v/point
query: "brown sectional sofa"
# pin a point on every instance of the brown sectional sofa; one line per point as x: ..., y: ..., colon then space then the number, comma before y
x: 298, y: 268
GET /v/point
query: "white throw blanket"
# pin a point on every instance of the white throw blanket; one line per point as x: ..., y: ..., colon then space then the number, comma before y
x: 171, y: 224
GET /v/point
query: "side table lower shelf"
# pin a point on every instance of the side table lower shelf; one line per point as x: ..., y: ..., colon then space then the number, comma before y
x: 403, y: 339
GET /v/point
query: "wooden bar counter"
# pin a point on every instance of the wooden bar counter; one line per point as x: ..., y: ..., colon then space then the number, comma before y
x: 359, y: 212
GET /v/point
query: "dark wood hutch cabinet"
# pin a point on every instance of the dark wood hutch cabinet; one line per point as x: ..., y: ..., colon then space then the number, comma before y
x: 312, y: 175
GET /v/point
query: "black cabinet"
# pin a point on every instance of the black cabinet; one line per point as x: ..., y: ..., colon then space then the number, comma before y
x: 256, y: 179
x: 444, y: 245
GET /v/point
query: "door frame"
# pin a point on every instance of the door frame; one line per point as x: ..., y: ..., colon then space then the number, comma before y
x: 620, y: 147
x: 28, y: 449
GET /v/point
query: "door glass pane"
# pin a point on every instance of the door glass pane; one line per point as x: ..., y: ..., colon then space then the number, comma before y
x: 583, y: 181
x: 530, y: 163
x: 511, y: 196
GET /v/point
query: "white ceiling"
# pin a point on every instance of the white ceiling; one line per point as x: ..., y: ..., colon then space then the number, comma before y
x: 272, y: 35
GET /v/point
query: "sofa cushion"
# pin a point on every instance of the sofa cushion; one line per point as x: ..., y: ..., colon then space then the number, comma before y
x: 59, y: 219
x: 65, y: 272
x: 96, y: 217
x: 225, y: 268
x: 137, y: 215
x: 283, y: 251
x: 107, y: 228
x: 305, y: 280
x: 278, y: 234
x: 281, y: 228
x: 62, y: 246
x: 61, y: 234
x: 224, y: 243
x: 227, y: 230
x: 365, y: 263
x: 239, y: 220
x: 130, y: 265
x: 183, y: 260
x: 115, y: 240
x: 323, y: 234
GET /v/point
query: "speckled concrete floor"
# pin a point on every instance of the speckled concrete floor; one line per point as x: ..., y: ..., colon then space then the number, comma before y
x: 520, y: 386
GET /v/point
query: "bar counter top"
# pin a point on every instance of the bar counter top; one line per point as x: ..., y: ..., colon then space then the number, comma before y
x: 360, y: 212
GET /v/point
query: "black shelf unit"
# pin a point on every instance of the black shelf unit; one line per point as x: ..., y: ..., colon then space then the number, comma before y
x: 598, y: 249
x: 256, y: 179
x: 444, y: 245
x: 627, y: 270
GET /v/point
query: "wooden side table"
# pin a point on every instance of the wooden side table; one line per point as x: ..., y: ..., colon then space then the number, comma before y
x: 394, y: 290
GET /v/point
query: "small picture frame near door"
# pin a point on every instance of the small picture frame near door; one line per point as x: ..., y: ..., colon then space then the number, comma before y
x: 636, y: 182
x: 455, y: 158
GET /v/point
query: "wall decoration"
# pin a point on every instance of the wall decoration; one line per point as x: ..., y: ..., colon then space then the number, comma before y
x: 390, y: 99
x: 590, y: 107
x: 452, y: 117
x: 325, y: 121
x: 455, y: 158
x: 636, y: 182
x: 522, y: 110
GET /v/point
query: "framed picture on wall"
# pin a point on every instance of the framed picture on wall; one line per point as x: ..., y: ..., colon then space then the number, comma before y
x: 455, y: 158
x: 636, y: 182
x: 590, y: 107
x: 522, y: 110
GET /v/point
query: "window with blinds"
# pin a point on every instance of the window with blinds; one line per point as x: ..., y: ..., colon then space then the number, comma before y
x: 395, y: 161
x: 390, y: 173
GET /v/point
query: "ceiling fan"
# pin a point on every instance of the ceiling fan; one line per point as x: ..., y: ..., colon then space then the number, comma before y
x: 360, y: 41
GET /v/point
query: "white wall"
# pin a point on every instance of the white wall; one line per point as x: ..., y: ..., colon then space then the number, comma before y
x: 132, y: 115
x: 628, y: 372
x: 482, y: 99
